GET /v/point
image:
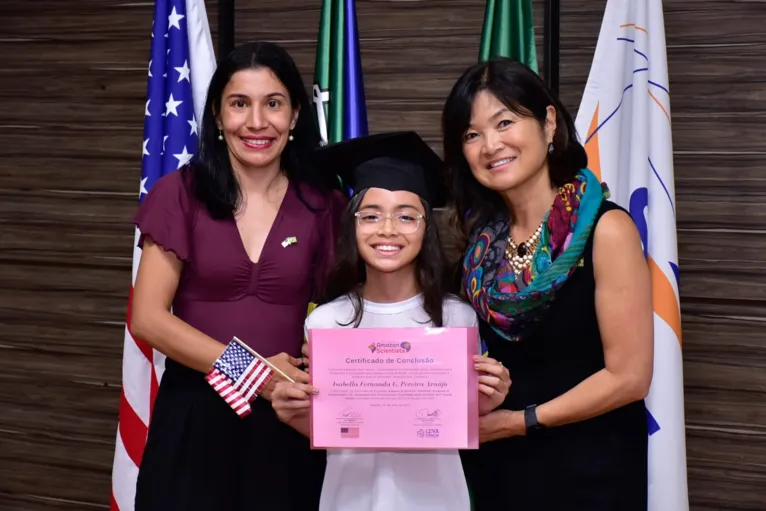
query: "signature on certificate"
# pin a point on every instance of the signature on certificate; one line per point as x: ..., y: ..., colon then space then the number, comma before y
x: 349, y: 413
x: 424, y: 413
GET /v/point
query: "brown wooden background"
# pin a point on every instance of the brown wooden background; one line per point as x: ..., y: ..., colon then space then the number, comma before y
x: 72, y: 86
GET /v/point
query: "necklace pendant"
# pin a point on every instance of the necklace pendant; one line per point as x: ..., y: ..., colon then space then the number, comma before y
x: 522, y: 249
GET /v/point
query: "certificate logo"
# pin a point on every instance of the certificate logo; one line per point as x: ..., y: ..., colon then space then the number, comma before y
x: 390, y: 347
x: 428, y: 433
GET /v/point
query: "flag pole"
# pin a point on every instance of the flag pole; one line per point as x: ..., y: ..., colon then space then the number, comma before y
x: 225, y: 28
x: 551, y: 37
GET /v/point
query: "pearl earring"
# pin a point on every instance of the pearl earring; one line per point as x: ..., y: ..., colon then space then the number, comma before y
x: 220, y: 135
x: 291, y: 137
x: 550, y: 148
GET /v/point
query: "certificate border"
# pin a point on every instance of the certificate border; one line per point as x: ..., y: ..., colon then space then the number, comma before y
x: 472, y: 433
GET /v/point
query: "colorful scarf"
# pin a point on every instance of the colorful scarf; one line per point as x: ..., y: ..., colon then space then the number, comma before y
x: 509, y: 302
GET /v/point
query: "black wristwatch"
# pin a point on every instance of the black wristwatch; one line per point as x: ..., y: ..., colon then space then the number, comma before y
x: 530, y: 420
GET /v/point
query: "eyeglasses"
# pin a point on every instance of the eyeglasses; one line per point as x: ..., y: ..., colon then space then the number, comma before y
x: 404, y: 222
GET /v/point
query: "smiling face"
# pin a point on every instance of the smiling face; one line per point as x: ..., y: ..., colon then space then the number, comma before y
x: 504, y: 149
x: 389, y: 229
x: 256, y: 118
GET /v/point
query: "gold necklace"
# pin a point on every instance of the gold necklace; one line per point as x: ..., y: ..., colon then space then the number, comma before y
x: 520, y: 256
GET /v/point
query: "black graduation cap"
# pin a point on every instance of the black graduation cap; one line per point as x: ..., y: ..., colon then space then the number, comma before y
x: 393, y: 161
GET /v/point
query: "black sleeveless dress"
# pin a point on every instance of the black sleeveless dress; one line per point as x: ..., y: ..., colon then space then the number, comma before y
x: 595, y: 465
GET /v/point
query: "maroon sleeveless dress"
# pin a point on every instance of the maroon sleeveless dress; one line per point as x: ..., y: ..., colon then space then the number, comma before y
x: 199, y: 454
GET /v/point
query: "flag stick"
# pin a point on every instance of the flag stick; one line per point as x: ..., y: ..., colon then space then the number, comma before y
x: 264, y: 360
x: 551, y: 40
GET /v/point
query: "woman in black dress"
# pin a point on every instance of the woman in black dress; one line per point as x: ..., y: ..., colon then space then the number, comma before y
x: 556, y: 274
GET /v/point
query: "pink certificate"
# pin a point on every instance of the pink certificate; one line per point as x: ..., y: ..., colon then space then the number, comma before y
x: 394, y: 388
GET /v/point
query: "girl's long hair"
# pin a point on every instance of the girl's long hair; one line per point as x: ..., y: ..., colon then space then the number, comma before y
x: 348, y: 273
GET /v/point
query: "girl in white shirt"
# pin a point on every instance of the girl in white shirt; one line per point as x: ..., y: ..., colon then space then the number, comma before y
x: 390, y: 273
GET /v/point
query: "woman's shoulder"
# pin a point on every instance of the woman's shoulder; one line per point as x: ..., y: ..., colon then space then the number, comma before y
x: 608, y: 205
x: 614, y: 226
x: 166, y: 214
x: 174, y: 188
x: 177, y: 180
x: 458, y: 312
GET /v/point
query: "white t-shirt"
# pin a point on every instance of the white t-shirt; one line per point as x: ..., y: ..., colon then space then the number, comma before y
x: 386, y: 480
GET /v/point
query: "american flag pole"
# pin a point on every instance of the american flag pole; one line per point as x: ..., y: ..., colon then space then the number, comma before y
x: 181, y: 64
x: 265, y: 361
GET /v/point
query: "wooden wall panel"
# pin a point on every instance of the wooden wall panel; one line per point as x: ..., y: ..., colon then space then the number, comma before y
x: 718, y: 110
x: 72, y: 87
x: 72, y: 93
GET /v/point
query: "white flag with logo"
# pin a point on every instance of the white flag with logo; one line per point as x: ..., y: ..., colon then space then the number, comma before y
x: 625, y: 124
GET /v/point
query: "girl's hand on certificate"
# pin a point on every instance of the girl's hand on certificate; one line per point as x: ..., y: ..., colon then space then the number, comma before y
x: 494, y: 383
x: 291, y: 400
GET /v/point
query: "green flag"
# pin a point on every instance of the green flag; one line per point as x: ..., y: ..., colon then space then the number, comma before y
x: 338, y: 85
x: 509, y: 31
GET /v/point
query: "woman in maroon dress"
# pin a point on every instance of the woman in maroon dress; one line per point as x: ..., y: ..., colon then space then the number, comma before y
x: 214, y: 249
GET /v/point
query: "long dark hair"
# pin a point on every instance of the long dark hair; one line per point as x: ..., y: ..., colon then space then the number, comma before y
x: 349, y: 272
x: 214, y: 182
x: 524, y: 93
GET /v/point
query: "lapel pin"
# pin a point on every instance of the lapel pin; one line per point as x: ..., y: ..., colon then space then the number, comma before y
x: 289, y: 241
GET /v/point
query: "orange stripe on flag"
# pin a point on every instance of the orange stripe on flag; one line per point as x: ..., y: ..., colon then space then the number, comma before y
x: 591, y: 147
x: 659, y: 104
x: 642, y: 29
x: 664, y: 299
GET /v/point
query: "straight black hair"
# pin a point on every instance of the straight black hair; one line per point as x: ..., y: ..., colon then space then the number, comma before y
x: 214, y: 182
x: 349, y: 273
x: 523, y: 92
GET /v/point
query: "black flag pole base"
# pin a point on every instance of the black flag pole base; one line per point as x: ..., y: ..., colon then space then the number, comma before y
x: 225, y: 28
x: 552, y: 46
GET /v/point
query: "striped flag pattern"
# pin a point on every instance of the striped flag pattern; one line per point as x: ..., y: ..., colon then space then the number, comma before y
x: 238, y: 376
x: 624, y: 122
x: 223, y: 386
x: 180, y: 67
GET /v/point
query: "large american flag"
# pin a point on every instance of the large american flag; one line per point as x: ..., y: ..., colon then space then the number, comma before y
x: 180, y: 66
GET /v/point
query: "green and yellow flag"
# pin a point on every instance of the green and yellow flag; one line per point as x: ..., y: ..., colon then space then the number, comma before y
x: 509, y: 31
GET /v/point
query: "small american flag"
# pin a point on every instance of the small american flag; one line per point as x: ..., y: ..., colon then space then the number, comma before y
x: 226, y: 390
x: 238, y: 376
x: 349, y: 432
